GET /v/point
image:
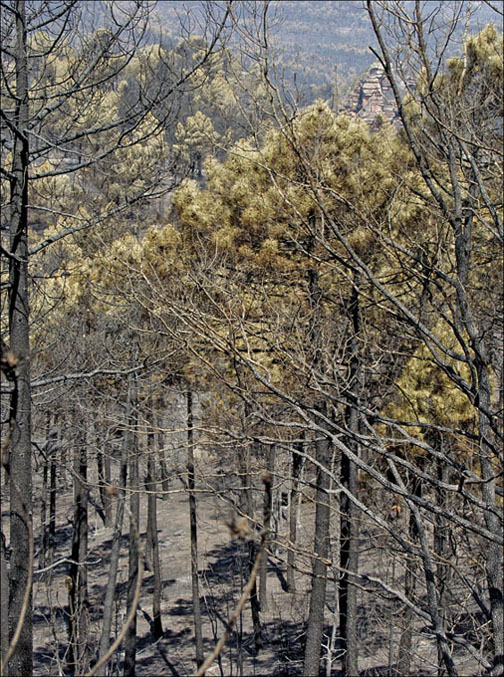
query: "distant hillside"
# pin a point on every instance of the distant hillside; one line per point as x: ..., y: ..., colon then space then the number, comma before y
x: 328, y: 42
x: 325, y: 43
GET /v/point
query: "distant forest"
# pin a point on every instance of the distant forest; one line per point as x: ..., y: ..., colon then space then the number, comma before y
x: 325, y: 43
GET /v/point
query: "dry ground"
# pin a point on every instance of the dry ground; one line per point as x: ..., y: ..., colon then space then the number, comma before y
x: 223, y: 573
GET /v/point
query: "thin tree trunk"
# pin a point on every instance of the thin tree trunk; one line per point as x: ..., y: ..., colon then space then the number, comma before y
x: 126, y: 446
x: 48, y: 494
x: 150, y: 536
x: 152, y: 539
x: 103, y: 469
x: 4, y: 603
x: 248, y: 509
x: 297, y: 464
x: 349, y: 560
x: 430, y: 578
x: 164, y: 474
x: 51, y: 536
x: 405, y: 643
x: 349, y: 521
x: 315, y: 627
x: 131, y: 634
x: 47, y: 527
x: 108, y: 604
x: 78, y: 655
x: 441, y: 549
x: 319, y: 578
x: 198, y: 634
x: 267, y: 508
x: 19, y: 462
x: 43, y: 512
x: 464, y: 250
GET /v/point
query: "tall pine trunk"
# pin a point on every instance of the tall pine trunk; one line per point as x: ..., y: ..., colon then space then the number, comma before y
x: 103, y: 470
x: 110, y: 592
x: 198, y: 632
x: 321, y: 549
x: 315, y: 628
x: 108, y: 604
x: 442, y: 550
x: 152, y: 538
x: 78, y: 654
x: 130, y: 640
x: 163, y: 466
x: 297, y: 465
x: 349, y: 521
x: 43, y: 512
x: 51, y: 535
x: 19, y: 463
x: 267, y: 509
x: 405, y: 643
x: 247, y: 507
x: 4, y: 603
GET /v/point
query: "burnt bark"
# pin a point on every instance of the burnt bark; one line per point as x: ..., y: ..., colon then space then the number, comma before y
x: 19, y: 463
x: 130, y: 639
x: 163, y: 466
x: 405, y: 642
x: 349, y: 520
x: 315, y: 629
x: 267, y: 509
x: 152, y: 540
x: 297, y: 465
x: 78, y: 650
x: 51, y: 532
x: 442, y: 549
x: 247, y: 507
x: 103, y: 468
x: 108, y: 604
x: 198, y: 631
x: 4, y: 603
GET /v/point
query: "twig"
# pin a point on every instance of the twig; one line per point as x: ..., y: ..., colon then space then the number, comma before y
x: 65, y: 560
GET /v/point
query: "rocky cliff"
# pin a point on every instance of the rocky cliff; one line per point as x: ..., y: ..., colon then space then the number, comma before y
x: 372, y: 97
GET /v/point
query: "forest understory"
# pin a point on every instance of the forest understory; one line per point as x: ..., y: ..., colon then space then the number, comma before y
x: 223, y: 574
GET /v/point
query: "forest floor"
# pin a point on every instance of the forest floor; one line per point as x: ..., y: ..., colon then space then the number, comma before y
x: 223, y: 566
x: 223, y: 573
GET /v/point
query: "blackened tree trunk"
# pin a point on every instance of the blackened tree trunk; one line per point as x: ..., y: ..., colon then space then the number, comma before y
x: 134, y: 485
x: 349, y: 560
x: 163, y: 467
x: 47, y: 520
x: 198, y: 633
x: 51, y: 536
x: 152, y: 538
x: 267, y: 509
x: 297, y: 465
x: 247, y: 507
x: 349, y: 522
x: 43, y: 511
x: 321, y: 548
x: 19, y: 463
x: 4, y: 603
x: 103, y: 468
x: 315, y: 628
x: 405, y: 643
x: 78, y: 654
x: 108, y: 604
x: 442, y: 549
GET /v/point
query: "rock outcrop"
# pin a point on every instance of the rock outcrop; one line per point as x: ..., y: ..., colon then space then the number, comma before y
x: 372, y: 99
